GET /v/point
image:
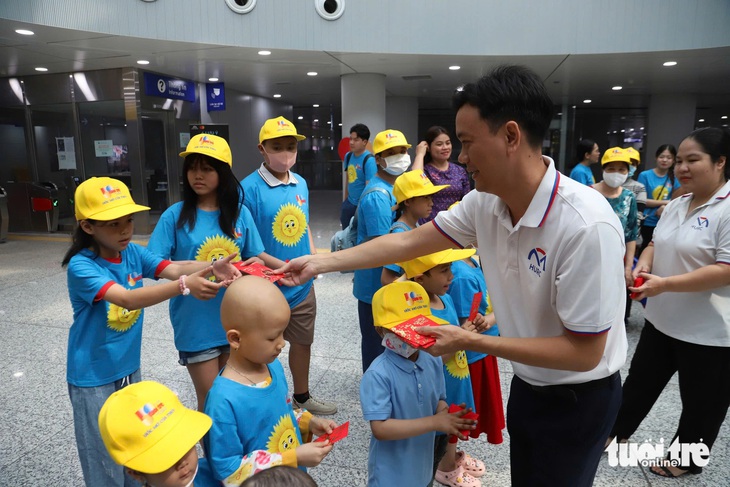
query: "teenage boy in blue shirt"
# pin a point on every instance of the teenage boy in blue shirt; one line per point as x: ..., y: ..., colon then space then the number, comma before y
x: 360, y: 168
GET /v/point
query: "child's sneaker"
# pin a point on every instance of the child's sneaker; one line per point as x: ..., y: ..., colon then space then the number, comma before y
x: 471, y: 465
x: 316, y: 406
x: 457, y: 478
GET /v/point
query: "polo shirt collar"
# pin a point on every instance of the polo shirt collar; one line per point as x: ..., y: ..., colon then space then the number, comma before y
x: 403, y: 363
x: 272, y: 180
x: 542, y: 200
x: 721, y: 194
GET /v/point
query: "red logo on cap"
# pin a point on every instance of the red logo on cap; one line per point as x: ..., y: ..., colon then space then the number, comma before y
x: 205, y: 140
x: 109, y: 190
x: 146, y: 412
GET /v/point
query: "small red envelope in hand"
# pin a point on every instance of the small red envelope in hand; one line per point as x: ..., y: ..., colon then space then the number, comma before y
x: 475, y: 302
x: 471, y: 415
x: 637, y: 282
x: 406, y: 331
x: 260, y: 270
x: 338, y: 433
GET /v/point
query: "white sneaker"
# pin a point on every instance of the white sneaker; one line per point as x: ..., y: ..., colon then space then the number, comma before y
x: 316, y: 406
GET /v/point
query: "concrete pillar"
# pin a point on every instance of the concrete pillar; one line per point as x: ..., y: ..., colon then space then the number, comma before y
x: 363, y: 101
x: 671, y: 119
x: 401, y: 113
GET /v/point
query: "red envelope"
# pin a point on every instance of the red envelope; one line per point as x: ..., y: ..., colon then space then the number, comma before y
x: 471, y: 415
x: 639, y: 281
x: 260, y: 270
x: 475, y: 302
x: 406, y: 331
x: 338, y: 433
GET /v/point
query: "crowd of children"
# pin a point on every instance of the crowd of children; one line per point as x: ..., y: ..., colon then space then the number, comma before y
x: 229, y: 330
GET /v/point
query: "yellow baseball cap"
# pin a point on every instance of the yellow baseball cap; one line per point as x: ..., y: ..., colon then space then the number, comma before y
x: 104, y: 199
x: 145, y: 427
x: 209, y: 145
x: 400, y: 301
x: 615, y: 154
x: 633, y: 155
x: 387, y: 139
x: 277, y: 127
x: 426, y: 262
x: 414, y: 183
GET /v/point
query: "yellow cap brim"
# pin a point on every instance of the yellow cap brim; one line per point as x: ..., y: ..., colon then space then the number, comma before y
x: 427, y: 190
x: 114, y: 213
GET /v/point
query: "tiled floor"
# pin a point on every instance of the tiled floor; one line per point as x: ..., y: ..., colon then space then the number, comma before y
x: 38, y: 448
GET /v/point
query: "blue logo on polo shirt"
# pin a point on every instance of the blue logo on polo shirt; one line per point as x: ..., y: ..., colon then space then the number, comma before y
x: 702, y: 222
x: 537, y: 258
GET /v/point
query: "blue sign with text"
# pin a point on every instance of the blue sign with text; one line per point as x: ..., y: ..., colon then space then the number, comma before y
x: 166, y: 87
x: 216, y: 96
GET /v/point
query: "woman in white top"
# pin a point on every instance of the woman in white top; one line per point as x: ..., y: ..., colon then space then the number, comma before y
x: 687, y: 280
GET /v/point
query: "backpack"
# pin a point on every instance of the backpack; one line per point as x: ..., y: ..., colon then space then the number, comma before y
x: 347, y: 237
x: 348, y: 156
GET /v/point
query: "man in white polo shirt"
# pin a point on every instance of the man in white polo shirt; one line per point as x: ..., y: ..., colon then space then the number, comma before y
x: 552, y: 252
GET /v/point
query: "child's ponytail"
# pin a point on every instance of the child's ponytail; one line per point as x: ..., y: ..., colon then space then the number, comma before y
x: 80, y: 241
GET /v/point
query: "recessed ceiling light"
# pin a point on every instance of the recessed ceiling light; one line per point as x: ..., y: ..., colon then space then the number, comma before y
x: 316, y: 120
x: 329, y: 123
x: 608, y: 133
x: 316, y: 105
x: 642, y: 128
x: 614, y: 131
x: 617, y: 88
x: 24, y: 32
x: 454, y: 68
x: 622, y: 131
x: 213, y: 79
x: 560, y: 113
x: 312, y: 73
x: 724, y: 117
x: 340, y: 125
x: 277, y: 95
x: 300, y: 117
x: 670, y: 63
x: 701, y: 120
x: 143, y: 61
x: 264, y: 53
x: 43, y: 70
x: 587, y: 101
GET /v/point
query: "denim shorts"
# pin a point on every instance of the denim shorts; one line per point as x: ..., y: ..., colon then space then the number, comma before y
x: 187, y: 358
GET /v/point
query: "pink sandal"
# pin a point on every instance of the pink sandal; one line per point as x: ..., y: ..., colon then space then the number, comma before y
x: 457, y: 478
x: 471, y: 465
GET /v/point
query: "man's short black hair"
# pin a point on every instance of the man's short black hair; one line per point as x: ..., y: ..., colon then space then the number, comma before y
x: 361, y: 130
x: 510, y: 92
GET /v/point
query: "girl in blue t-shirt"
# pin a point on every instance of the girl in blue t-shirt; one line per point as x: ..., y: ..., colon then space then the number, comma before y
x: 659, y: 183
x: 105, y: 272
x: 208, y: 224
x: 413, y: 192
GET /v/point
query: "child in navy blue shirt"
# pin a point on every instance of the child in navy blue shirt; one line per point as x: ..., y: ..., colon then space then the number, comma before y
x: 403, y: 395
x: 433, y: 272
x: 254, y: 424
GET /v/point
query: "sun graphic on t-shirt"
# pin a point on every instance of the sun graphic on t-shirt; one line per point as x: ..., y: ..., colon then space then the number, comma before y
x: 351, y: 174
x: 121, y: 319
x: 289, y: 225
x: 660, y: 193
x: 489, y: 305
x: 457, y: 365
x: 284, y: 437
x: 216, y: 248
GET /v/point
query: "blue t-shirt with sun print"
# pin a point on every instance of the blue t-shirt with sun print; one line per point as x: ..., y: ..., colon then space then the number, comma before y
x: 197, y: 324
x: 281, y: 214
x: 466, y: 283
x: 456, y: 369
x: 105, y: 340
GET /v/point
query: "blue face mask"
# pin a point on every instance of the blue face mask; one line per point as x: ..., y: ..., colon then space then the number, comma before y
x: 632, y: 171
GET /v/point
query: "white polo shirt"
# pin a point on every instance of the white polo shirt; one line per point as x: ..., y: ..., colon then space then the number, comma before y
x: 560, y: 267
x: 684, y: 242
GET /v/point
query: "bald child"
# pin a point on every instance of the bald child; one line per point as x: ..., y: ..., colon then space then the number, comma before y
x: 254, y: 425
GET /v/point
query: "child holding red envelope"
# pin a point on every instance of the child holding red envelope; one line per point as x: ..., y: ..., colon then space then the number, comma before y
x: 403, y: 394
x: 468, y: 290
x: 254, y: 424
x: 433, y: 272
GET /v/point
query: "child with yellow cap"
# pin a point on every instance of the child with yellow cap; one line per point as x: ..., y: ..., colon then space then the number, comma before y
x: 146, y: 429
x: 278, y: 199
x: 105, y: 273
x: 403, y: 395
x: 433, y: 272
x: 375, y: 216
x: 413, y: 192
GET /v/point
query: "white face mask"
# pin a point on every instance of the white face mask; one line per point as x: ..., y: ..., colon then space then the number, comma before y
x: 614, y: 179
x: 397, y: 164
x: 392, y: 342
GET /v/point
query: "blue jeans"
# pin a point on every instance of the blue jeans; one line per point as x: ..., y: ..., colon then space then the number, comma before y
x: 371, y: 345
x: 347, y: 211
x: 96, y: 464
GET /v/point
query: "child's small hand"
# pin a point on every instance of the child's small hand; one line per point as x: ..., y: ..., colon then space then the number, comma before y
x: 224, y: 271
x: 200, y: 287
x: 452, y: 424
x: 469, y: 326
x: 321, y: 426
x: 311, y: 454
x: 253, y: 259
x: 485, y: 323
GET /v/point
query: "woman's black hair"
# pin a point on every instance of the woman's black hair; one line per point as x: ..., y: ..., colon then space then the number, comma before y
x: 715, y: 142
x: 229, y: 193
x: 80, y: 241
x: 431, y: 135
x: 584, y: 146
x: 669, y: 147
